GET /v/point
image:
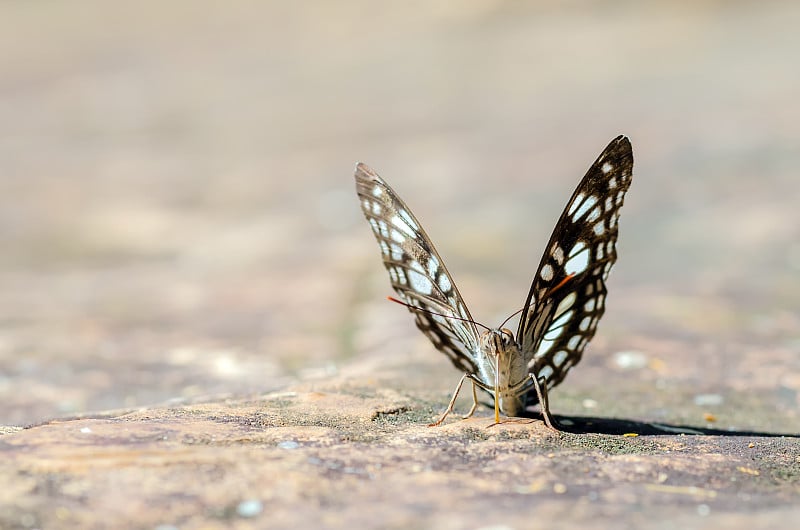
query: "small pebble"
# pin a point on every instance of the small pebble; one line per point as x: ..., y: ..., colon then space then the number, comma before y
x: 289, y: 444
x: 703, y: 510
x: 249, y: 508
x: 630, y: 360
x: 559, y: 488
x: 704, y: 400
x: 589, y: 404
x: 85, y: 430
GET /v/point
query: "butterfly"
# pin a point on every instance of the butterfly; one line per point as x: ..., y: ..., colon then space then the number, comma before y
x: 560, y: 314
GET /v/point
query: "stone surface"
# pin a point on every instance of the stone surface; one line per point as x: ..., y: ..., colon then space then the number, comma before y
x: 182, y: 247
x: 363, y: 457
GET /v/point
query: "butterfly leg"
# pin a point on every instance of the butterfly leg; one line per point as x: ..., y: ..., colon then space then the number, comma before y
x: 453, y: 401
x: 474, y: 402
x: 544, y: 404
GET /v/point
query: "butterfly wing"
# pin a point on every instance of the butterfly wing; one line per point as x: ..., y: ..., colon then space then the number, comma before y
x: 567, y: 296
x: 417, y: 272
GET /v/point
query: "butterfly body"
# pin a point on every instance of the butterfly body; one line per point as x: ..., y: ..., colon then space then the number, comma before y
x: 502, y: 369
x: 564, y: 303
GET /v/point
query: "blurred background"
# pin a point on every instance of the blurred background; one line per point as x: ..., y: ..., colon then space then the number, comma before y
x: 178, y: 217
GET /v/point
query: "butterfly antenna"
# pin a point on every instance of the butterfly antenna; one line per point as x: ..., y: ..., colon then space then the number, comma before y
x: 549, y: 293
x: 512, y: 315
x: 422, y: 310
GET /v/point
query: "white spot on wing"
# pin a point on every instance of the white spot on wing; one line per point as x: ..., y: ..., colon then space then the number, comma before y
x: 444, y: 283
x: 594, y: 215
x: 599, y: 228
x: 562, y: 320
x: 573, y: 342
x: 553, y: 334
x: 408, y: 219
x: 376, y: 208
x: 559, y: 357
x: 397, y: 236
x: 384, y: 228
x: 566, y: 303
x: 579, y: 246
x: 546, y: 372
x: 600, y: 253
x: 558, y: 254
x: 433, y: 267
x: 397, y: 252
x: 589, y: 305
x: 584, y: 325
x: 607, y: 167
x: 402, y: 225
x: 587, y: 204
x: 578, y: 262
x: 544, y: 347
x: 547, y: 273
x: 612, y: 183
x: 577, y: 202
x: 420, y: 283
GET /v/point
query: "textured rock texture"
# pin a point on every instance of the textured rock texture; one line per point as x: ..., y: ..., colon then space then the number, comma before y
x: 364, y: 457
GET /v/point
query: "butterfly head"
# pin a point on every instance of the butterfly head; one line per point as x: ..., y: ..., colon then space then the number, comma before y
x: 497, y: 341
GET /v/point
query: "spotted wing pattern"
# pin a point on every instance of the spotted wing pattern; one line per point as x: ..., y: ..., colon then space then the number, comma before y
x: 417, y: 272
x: 567, y: 296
